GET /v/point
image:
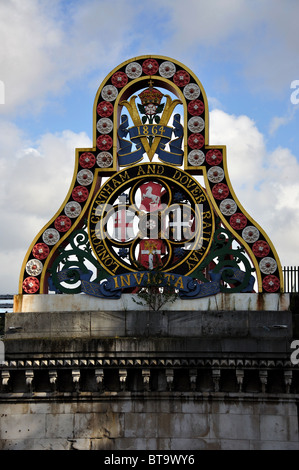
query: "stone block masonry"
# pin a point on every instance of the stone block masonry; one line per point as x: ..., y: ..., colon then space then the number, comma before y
x: 158, y: 422
x: 113, y: 379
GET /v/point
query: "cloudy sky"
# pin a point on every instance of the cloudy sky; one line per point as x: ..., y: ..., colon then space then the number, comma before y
x: 54, y: 55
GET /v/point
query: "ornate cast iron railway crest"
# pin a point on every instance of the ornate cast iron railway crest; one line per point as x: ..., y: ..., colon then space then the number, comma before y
x: 136, y: 204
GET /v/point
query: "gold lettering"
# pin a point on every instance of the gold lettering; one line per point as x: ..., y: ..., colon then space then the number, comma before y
x: 140, y: 170
x: 104, y: 255
x: 116, y: 267
x: 145, y: 130
x: 94, y: 220
x: 184, y: 179
x: 161, y: 130
x: 115, y: 183
x: 206, y: 214
x: 96, y: 240
x: 138, y: 278
x: 192, y: 260
x: 190, y: 183
x: 107, y: 189
x: 200, y: 198
x: 195, y: 191
x: 101, y: 199
x: 116, y: 286
x: 124, y: 280
x: 177, y: 175
x: 151, y: 169
x: 124, y: 176
x: 96, y: 234
x: 179, y: 283
x: 205, y: 225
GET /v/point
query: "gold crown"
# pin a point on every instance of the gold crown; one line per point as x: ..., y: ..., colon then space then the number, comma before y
x: 151, y: 96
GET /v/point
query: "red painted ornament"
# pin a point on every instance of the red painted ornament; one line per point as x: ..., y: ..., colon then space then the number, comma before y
x: 40, y: 251
x: 271, y: 283
x: 62, y: 223
x: 196, y: 141
x: 214, y: 157
x: 119, y: 79
x: 87, y: 160
x: 150, y: 67
x: 80, y: 193
x: 31, y: 285
x: 105, y: 109
x: 181, y: 78
x: 196, y: 107
x: 238, y: 221
x: 220, y: 191
x: 104, y: 142
x: 260, y: 249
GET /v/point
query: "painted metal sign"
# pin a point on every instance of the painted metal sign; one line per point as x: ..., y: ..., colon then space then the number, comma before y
x: 166, y: 202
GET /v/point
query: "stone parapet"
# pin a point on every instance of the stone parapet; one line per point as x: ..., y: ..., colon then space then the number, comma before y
x: 219, y: 302
x: 199, y: 377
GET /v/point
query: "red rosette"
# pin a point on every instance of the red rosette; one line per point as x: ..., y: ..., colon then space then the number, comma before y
x: 238, y: 221
x: 62, y: 223
x: 261, y: 249
x: 40, y: 251
x: 104, y: 142
x: 214, y: 157
x: 80, y: 193
x: 87, y: 160
x: 220, y: 191
x: 181, y: 78
x: 271, y: 283
x: 31, y: 285
x: 196, y: 141
x: 105, y: 109
x: 196, y: 107
x: 150, y: 67
x: 119, y: 79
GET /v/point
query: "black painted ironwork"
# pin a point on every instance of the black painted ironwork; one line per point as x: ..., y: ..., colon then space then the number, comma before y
x: 291, y: 279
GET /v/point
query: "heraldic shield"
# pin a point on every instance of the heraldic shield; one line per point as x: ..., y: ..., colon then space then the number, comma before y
x: 136, y: 203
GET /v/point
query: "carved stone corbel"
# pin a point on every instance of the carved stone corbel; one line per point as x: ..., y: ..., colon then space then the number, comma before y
x: 76, y: 378
x: 240, y: 378
x: 5, y: 378
x: 263, y: 374
x: 53, y: 379
x: 99, y: 374
x: 146, y: 374
x: 216, y: 379
x: 29, y: 376
x: 288, y: 376
x: 123, y: 379
x: 169, y: 378
x: 193, y: 377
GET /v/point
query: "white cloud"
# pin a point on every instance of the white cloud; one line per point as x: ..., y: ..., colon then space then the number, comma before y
x: 35, y: 182
x: 259, y: 38
x: 245, y: 144
x: 266, y: 183
x: 46, y: 44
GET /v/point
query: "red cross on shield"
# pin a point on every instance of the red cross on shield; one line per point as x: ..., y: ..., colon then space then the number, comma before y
x: 150, y: 253
x: 123, y: 224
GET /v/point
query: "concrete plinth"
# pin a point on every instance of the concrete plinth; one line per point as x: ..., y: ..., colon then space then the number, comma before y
x: 81, y: 302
